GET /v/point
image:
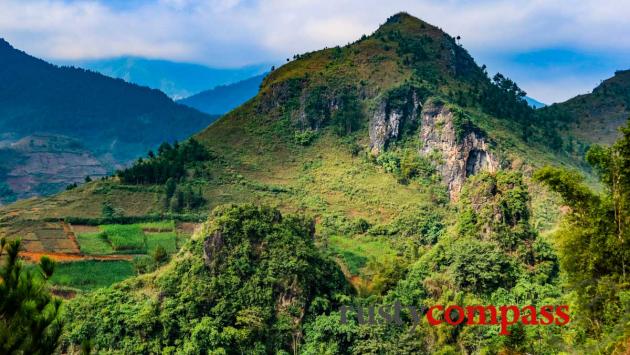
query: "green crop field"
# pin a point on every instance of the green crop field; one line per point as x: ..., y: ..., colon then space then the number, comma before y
x: 90, y: 275
x: 356, y: 252
x: 162, y: 226
x: 95, y: 243
x: 168, y: 240
x: 128, y: 238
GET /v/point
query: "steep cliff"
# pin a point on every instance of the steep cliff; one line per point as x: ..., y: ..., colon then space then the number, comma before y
x: 463, y: 150
x: 456, y: 147
x: 389, y: 118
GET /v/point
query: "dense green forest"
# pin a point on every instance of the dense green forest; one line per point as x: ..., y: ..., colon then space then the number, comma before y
x: 40, y: 97
x: 253, y: 280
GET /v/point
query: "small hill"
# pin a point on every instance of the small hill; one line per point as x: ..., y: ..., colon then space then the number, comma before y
x: 224, y: 98
x: 115, y: 121
x: 247, y: 271
x: 596, y: 117
x: 176, y: 79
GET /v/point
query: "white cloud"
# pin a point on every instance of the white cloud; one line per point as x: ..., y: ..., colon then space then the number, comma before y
x: 239, y: 32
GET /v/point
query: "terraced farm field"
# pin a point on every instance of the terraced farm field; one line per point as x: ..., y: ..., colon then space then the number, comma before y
x: 91, y: 257
x: 87, y: 275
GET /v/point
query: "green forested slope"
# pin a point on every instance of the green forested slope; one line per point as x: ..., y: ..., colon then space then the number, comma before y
x: 114, y: 121
x: 597, y: 116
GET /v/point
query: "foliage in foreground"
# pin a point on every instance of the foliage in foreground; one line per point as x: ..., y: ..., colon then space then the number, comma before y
x: 595, y: 243
x: 30, y: 320
x: 491, y: 255
x: 245, y: 284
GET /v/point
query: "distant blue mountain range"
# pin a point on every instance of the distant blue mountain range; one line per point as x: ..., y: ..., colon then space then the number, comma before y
x: 224, y: 98
x: 176, y: 79
x: 534, y: 103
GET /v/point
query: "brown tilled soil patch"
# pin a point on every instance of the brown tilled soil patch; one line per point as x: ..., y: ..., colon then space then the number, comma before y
x: 65, y: 294
x: 187, y: 228
x: 79, y: 229
x: 72, y: 238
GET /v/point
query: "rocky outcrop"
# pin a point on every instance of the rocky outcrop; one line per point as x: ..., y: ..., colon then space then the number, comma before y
x: 278, y: 95
x: 457, y: 148
x: 462, y: 151
x: 383, y: 127
x: 211, y: 248
x: 387, y: 121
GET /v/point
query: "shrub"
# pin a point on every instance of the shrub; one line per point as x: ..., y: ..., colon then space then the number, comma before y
x: 143, y: 264
x: 305, y: 137
x: 481, y: 266
x: 159, y: 254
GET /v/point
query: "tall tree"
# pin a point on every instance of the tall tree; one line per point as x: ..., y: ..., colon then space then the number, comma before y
x: 30, y: 320
x: 594, y: 236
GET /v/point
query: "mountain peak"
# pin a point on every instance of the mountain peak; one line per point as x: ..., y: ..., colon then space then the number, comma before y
x: 618, y: 87
x: 401, y: 48
x: 623, y: 77
x: 406, y: 23
x: 401, y: 16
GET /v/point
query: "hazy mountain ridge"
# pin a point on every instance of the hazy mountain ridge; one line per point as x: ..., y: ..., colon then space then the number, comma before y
x: 224, y: 98
x: 596, y: 117
x: 114, y: 120
x: 176, y: 79
x: 534, y: 103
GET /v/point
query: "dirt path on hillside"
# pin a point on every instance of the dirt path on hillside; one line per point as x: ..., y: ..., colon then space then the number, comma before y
x: 65, y: 257
x: 67, y: 229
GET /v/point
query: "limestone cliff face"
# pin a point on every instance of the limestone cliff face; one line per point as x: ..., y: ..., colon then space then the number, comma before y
x: 387, y: 121
x: 460, y: 156
x: 458, y: 152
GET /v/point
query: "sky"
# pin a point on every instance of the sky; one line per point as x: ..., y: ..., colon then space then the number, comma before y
x: 554, y: 49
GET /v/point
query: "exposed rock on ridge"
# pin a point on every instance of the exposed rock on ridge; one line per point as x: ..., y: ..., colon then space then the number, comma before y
x: 460, y: 151
x: 387, y: 121
x: 460, y: 156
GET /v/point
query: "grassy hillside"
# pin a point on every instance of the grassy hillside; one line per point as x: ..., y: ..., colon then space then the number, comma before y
x: 595, y: 117
x: 303, y: 143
